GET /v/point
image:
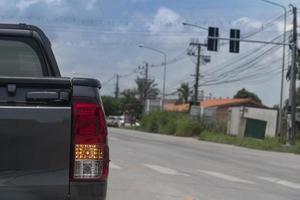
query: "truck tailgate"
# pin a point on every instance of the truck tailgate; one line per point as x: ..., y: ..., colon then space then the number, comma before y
x: 35, y: 135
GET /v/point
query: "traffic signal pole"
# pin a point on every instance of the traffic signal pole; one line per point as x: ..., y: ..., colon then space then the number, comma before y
x: 249, y: 41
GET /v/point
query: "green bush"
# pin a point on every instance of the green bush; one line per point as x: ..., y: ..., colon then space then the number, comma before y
x: 168, y: 126
x: 149, y: 122
x: 215, y: 126
x: 171, y: 123
x: 188, y: 127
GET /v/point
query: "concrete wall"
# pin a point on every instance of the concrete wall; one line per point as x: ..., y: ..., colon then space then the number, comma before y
x: 268, y: 115
x: 215, y: 114
x: 238, y: 116
x: 222, y: 114
x: 209, y: 113
x: 234, y: 119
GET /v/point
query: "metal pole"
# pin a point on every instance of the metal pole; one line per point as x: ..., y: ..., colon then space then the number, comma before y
x: 283, y: 65
x: 197, y: 74
x: 250, y: 41
x: 291, y: 132
x: 164, y: 81
x: 282, y: 78
x: 293, y: 77
x: 194, y: 25
x: 146, y: 88
x: 117, y: 86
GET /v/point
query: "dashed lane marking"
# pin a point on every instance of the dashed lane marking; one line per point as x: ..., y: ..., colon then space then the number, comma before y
x: 226, y: 177
x: 165, y: 170
x: 113, y: 138
x: 280, y: 182
x: 114, y: 166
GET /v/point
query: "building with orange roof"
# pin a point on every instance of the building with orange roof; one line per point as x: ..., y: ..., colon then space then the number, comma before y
x: 217, y: 109
x: 213, y: 108
x: 173, y: 107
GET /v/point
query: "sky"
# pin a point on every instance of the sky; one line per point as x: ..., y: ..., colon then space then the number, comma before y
x: 100, y: 38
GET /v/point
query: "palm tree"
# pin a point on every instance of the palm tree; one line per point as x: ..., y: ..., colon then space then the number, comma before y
x: 184, y: 92
x: 146, y: 89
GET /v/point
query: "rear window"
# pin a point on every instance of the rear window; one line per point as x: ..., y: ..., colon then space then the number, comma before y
x: 19, y: 58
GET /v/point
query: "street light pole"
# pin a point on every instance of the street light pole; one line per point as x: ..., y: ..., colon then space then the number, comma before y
x: 164, y: 74
x: 194, y: 25
x: 283, y: 64
x: 164, y: 81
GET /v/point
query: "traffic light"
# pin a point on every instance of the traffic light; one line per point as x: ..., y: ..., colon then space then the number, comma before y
x: 212, y: 43
x: 234, y: 45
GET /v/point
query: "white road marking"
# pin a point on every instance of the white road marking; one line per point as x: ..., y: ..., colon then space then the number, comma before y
x: 113, y: 138
x: 114, y: 166
x: 165, y: 170
x: 226, y: 177
x: 281, y: 182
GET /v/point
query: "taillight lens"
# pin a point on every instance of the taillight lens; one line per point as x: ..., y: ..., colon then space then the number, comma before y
x: 90, y: 142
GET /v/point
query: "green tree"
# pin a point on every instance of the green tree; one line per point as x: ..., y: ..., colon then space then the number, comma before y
x: 111, y: 105
x: 146, y: 89
x: 243, y: 93
x: 184, y: 93
x: 130, y: 104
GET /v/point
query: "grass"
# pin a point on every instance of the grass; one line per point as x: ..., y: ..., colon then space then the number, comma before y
x: 179, y: 124
x: 269, y: 144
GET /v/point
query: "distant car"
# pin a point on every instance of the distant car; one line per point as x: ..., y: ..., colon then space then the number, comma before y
x: 112, y: 121
x: 137, y: 123
x: 115, y: 121
x: 121, y: 121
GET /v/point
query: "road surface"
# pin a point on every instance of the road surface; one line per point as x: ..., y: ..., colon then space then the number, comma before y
x: 156, y: 167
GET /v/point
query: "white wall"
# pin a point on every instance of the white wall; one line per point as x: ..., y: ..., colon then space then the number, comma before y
x: 268, y: 115
x: 238, y: 115
x: 234, y: 121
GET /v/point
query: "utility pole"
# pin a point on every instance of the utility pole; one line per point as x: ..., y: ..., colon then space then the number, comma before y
x: 291, y: 132
x: 146, y: 83
x: 197, y: 75
x: 117, y: 91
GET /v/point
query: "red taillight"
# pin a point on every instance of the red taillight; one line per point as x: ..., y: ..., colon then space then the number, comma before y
x: 89, y: 142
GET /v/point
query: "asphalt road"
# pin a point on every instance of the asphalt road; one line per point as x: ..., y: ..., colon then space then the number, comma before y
x: 156, y: 167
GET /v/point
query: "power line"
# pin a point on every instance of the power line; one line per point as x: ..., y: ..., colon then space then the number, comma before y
x: 107, y: 81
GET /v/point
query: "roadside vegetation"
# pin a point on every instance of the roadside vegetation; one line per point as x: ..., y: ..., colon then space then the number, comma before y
x: 180, y: 124
x: 270, y: 144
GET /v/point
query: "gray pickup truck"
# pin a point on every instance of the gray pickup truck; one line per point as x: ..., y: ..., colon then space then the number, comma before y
x: 53, y: 135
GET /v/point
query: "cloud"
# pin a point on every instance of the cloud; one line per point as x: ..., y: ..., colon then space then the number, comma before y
x: 166, y: 20
x: 25, y: 4
x: 246, y: 23
x: 90, y: 4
